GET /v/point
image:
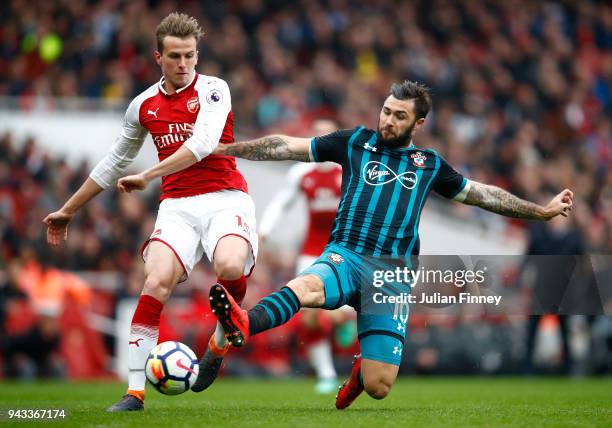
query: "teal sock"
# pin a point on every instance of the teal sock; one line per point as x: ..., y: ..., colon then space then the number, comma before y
x: 273, y: 310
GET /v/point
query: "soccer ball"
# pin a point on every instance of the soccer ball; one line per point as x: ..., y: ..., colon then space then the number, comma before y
x: 172, y: 368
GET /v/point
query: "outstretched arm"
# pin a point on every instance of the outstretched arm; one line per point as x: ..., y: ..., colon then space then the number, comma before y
x: 499, y: 201
x: 57, y: 222
x: 270, y: 147
x: 273, y: 147
x: 121, y: 155
x: 177, y: 161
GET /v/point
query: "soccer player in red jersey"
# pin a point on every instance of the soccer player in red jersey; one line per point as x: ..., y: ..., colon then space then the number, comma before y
x: 204, y: 209
x: 320, y: 184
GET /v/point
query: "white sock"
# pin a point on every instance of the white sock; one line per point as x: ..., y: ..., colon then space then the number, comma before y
x: 143, y: 339
x: 321, y: 360
x: 220, y: 339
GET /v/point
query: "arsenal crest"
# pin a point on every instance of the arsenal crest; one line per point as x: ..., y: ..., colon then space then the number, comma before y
x: 335, y: 258
x: 193, y: 104
x: 418, y: 159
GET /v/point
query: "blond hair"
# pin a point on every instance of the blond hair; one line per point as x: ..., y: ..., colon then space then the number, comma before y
x: 178, y: 25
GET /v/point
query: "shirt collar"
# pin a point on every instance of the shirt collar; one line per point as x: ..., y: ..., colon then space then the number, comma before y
x: 161, y: 82
x: 411, y: 146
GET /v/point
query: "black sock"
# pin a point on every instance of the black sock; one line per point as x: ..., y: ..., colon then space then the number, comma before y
x: 273, y: 310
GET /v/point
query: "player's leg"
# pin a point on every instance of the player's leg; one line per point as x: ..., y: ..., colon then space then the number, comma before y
x: 325, y: 284
x: 318, y: 326
x: 163, y: 271
x: 381, y: 330
x: 229, y: 260
x: 272, y: 311
x: 315, y: 331
x: 230, y: 241
x: 375, y: 377
x: 169, y: 254
x: 381, y: 338
x: 374, y: 371
x: 378, y: 377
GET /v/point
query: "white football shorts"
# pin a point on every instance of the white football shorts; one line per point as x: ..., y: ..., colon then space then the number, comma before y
x: 193, y: 225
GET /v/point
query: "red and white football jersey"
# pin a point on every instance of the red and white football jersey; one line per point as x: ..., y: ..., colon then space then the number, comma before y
x: 206, y: 104
x: 320, y: 184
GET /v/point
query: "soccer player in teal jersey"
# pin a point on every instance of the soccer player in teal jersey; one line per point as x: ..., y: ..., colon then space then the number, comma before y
x: 386, y: 181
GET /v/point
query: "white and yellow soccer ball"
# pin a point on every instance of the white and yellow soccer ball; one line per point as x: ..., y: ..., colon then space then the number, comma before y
x: 172, y: 368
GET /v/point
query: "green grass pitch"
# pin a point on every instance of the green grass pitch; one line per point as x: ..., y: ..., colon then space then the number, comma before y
x: 413, y: 402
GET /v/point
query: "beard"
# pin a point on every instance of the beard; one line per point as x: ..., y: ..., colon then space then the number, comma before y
x: 400, y: 141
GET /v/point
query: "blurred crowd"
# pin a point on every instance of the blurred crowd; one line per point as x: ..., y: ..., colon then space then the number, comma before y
x: 106, y: 234
x: 522, y: 90
x: 522, y: 97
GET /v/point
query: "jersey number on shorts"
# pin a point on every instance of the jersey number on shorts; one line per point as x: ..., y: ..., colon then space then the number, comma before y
x: 243, y: 225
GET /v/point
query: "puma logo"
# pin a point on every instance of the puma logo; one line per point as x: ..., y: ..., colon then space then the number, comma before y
x: 181, y: 365
x: 136, y: 342
x: 153, y: 112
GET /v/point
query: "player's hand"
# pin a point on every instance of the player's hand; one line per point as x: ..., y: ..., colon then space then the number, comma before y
x: 132, y: 182
x: 559, y: 205
x: 57, y: 227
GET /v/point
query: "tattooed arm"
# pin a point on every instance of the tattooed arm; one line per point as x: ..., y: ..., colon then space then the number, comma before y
x: 271, y: 147
x: 499, y: 201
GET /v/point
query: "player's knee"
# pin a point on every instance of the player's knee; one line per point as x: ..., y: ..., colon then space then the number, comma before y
x: 310, y: 293
x: 377, y: 388
x: 157, y: 287
x: 229, y: 267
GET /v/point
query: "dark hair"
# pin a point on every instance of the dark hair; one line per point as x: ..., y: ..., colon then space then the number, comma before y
x: 418, y: 92
x: 177, y: 25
